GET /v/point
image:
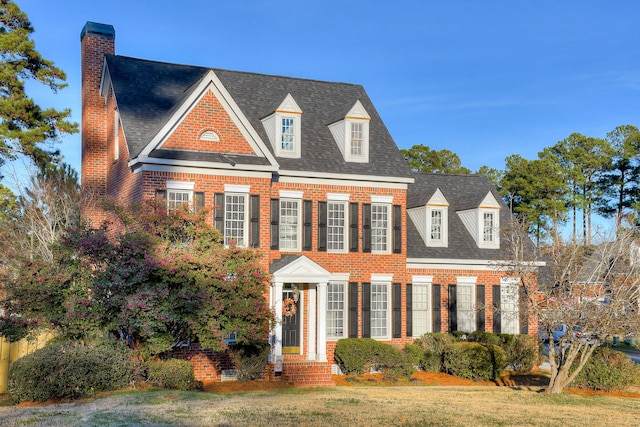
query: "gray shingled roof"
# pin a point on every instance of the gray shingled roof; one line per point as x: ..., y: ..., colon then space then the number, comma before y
x: 149, y: 92
x: 462, y: 192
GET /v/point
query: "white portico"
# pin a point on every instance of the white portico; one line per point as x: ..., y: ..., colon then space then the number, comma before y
x: 294, y: 279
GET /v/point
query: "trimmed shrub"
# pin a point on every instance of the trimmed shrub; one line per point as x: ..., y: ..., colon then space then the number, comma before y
x: 608, y: 370
x: 434, y: 346
x: 175, y: 374
x: 414, y: 353
x: 474, y: 360
x: 70, y: 370
x: 250, y: 360
x: 522, y: 352
x: 359, y: 355
x: 485, y: 337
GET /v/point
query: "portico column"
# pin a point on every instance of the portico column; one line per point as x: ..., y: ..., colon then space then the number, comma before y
x: 322, y: 322
x: 276, y: 345
x: 311, y: 324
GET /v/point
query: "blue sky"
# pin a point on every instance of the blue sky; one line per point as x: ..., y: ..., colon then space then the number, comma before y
x: 484, y: 79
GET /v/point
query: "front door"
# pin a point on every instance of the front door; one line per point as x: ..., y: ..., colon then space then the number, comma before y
x: 290, y: 316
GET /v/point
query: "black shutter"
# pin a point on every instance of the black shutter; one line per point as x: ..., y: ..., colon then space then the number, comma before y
x: 396, y: 318
x: 353, y: 310
x: 366, y: 227
x: 198, y: 201
x: 307, y: 226
x: 409, y: 308
x: 480, y: 313
x: 397, y: 229
x: 497, y: 323
x: 366, y: 310
x: 523, y: 307
x: 275, y: 224
x: 436, y: 304
x: 353, y: 227
x: 218, y: 212
x: 254, y: 225
x: 322, y: 226
x: 453, y: 309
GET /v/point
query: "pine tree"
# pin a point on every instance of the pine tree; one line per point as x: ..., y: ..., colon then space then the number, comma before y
x: 26, y: 128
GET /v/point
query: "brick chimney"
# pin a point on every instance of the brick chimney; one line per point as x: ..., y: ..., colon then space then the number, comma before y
x: 96, y: 40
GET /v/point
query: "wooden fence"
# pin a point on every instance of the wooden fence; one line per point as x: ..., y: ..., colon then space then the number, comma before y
x: 10, y: 352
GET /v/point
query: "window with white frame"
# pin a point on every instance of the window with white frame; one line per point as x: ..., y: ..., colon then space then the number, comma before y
x: 436, y: 225
x: 289, y: 225
x: 421, y: 306
x: 509, y: 306
x: 336, y: 310
x: 380, y: 315
x: 488, y: 227
x: 380, y: 230
x: 287, y: 135
x: 179, y: 194
x: 357, y: 139
x: 336, y: 226
x: 465, y: 308
x: 235, y: 219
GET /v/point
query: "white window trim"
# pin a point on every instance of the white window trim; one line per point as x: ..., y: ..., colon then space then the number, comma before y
x: 495, y: 243
x: 443, y: 242
x: 338, y: 197
x: 345, y: 227
x: 427, y: 282
x: 340, y: 279
x: 245, y: 227
x: 382, y: 199
x: 385, y: 280
x: 182, y: 187
x: 388, y: 231
x: 235, y: 188
x: 514, y: 322
x: 463, y: 281
x: 298, y: 201
x: 297, y: 128
x: 364, y: 158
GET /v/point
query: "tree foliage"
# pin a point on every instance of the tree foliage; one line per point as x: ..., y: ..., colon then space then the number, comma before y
x: 594, y: 291
x: 167, y: 279
x: 24, y: 125
x: 423, y: 159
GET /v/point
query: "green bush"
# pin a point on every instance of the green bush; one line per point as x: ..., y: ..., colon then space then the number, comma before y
x: 70, y: 370
x: 414, y: 353
x: 522, y: 352
x: 250, y: 360
x: 474, y: 360
x: 359, y: 355
x: 485, y: 337
x: 434, y: 346
x: 608, y: 370
x: 175, y: 374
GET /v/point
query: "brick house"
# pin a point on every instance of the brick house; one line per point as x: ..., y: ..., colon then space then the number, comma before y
x: 306, y: 172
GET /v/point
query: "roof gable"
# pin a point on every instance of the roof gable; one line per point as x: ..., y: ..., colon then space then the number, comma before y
x: 438, y: 199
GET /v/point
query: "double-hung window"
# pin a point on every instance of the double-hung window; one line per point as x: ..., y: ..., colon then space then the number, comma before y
x: 380, y: 316
x: 289, y: 239
x: 336, y: 226
x: 421, y: 305
x: 436, y: 225
x: 380, y: 228
x: 465, y: 297
x: 179, y: 194
x: 488, y: 227
x: 287, y: 134
x: 336, y: 310
x: 235, y: 219
x: 357, y: 140
x: 509, y: 306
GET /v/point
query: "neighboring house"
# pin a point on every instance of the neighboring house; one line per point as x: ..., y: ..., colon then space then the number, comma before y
x: 306, y: 172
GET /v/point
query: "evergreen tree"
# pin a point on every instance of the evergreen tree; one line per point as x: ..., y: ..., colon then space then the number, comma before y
x: 24, y: 125
x: 423, y: 159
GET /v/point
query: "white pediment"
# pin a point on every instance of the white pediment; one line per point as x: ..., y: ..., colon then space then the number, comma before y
x: 301, y: 270
x: 358, y: 112
x: 289, y: 105
x: 438, y: 199
x: 489, y: 201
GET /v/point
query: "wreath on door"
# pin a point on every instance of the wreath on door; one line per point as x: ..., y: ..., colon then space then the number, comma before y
x: 289, y: 307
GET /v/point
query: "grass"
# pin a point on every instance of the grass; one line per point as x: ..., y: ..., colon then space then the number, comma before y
x: 337, y: 406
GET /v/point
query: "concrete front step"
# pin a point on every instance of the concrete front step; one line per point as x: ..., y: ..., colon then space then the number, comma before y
x: 307, y: 374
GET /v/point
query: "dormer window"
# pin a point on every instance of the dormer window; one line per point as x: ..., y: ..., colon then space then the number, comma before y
x: 483, y: 223
x: 352, y: 134
x: 488, y: 227
x: 284, y: 128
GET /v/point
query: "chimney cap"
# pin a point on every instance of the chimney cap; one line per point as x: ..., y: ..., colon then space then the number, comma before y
x: 98, y: 30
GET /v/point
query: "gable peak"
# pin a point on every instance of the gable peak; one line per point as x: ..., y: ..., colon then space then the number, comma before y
x: 289, y: 105
x: 358, y: 112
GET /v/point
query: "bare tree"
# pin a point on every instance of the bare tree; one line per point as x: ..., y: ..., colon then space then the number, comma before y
x: 593, y: 291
